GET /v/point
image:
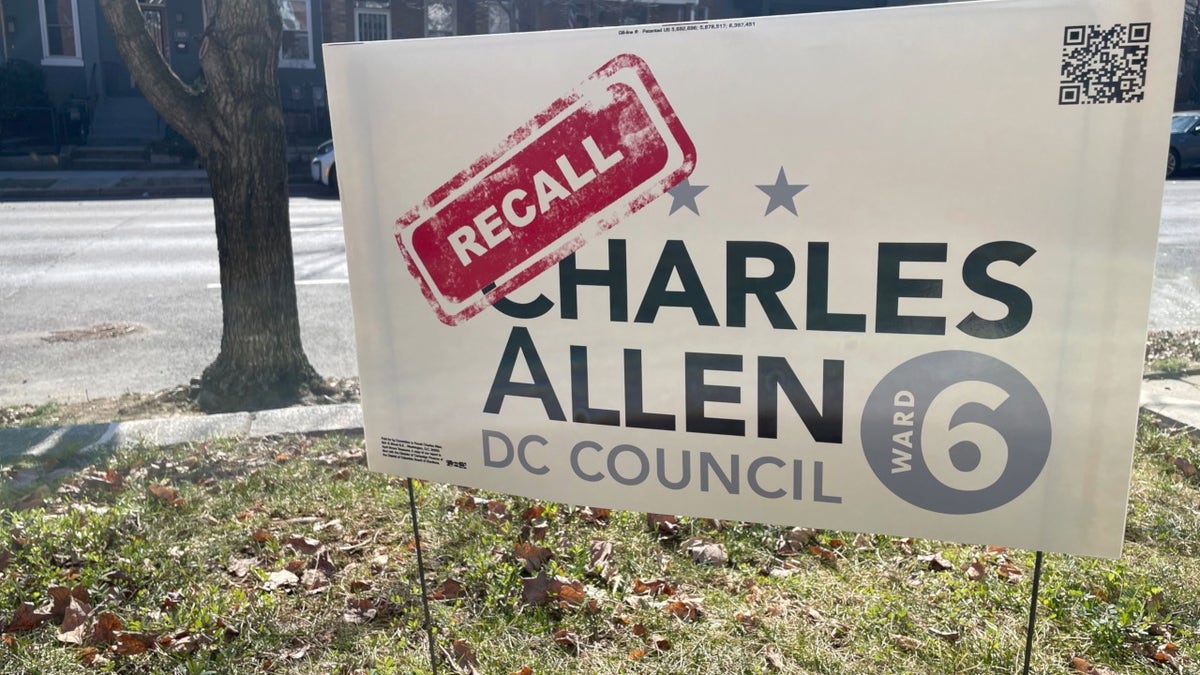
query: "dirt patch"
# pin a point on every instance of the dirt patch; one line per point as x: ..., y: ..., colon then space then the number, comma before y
x: 100, y: 331
x: 174, y: 402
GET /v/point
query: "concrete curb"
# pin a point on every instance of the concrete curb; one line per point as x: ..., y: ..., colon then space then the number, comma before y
x: 40, y: 441
x: 195, y: 188
x: 1175, y: 402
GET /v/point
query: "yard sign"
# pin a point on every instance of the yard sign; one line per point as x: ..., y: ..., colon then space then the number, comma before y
x: 881, y: 270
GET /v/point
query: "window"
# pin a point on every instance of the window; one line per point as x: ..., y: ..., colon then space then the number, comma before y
x: 296, y: 49
x: 60, y: 39
x: 372, y: 20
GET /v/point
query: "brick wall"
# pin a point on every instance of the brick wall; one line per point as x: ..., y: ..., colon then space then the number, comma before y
x: 338, y: 20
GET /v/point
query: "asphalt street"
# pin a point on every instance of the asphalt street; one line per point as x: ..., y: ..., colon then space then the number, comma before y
x: 148, y: 269
x: 1175, y: 302
x: 149, y: 266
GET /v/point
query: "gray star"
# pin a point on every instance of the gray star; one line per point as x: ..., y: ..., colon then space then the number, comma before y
x: 684, y: 196
x: 782, y: 194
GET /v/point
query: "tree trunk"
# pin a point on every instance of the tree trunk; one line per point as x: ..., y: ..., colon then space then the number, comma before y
x: 262, y: 362
x: 236, y: 124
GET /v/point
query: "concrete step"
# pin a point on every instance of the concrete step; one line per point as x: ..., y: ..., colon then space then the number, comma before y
x: 120, y: 120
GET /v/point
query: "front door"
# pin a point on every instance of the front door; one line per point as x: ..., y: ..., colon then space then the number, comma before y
x: 155, y: 15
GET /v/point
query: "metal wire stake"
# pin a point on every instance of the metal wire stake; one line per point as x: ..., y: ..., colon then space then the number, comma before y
x: 1037, y: 579
x: 412, y: 505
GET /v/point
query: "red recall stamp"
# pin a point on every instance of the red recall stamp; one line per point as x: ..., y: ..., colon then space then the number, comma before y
x: 587, y: 161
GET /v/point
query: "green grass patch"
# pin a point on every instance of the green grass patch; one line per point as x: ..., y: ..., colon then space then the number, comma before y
x: 1172, y: 366
x: 287, y: 555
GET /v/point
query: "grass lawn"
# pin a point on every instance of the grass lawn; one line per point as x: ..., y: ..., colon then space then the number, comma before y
x: 287, y: 555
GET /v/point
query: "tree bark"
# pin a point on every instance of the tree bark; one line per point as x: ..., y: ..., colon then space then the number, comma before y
x: 236, y: 124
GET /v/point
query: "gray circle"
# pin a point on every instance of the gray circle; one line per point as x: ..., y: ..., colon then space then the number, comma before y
x: 1021, y: 420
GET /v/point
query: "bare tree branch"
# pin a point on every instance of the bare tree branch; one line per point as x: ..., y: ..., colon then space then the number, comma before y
x: 181, y: 105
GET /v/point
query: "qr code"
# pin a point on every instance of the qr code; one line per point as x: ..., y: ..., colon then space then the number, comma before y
x: 1104, y: 64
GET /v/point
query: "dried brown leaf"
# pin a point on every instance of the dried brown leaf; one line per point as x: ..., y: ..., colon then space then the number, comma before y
x: 936, y: 562
x: 166, y: 494
x: 1186, y: 467
x: 906, y: 643
x: 497, y: 511
x: 774, y: 657
x: 342, y: 474
x: 796, y: 540
x: 637, y: 654
x: 240, y: 567
x: 5, y: 559
x: 359, y: 610
x: 1010, y: 572
x: 280, y: 579
x: 976, y: 571
x: 129, y: 644
x: 525, y: 670
x: 600, y: 559
x: 533, y: 557
x: 60, y: 598
x: 567, y: 639
x: 304, y: 545
x: 685, y: 609
x: 27, y: 617
x: 659, y: 643
x: 705, y: 552
x: 105, y: 628
x: 535, y: 590
x: 74, y: 627
x: 450, y: 589
x: 533, y: 513
x: 566, y: 591
x: 666, y: 526
x: 464, y: 658
x: 261, y: 535
x: 171, y: 599
x: 594, y: 515
x: 542, y: 590
x: 747, y: 621
x: 314, y: 580
x: 823, y: 553
x: 90, y: 656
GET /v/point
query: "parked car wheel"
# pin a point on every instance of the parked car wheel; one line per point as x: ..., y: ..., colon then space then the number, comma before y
x: 1172, y: 162
x: 333, y: 185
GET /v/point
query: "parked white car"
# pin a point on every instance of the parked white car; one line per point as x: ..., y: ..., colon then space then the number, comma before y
x: 324, y: 171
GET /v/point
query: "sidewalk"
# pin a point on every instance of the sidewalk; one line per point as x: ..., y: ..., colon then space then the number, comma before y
x: 1174, y: 401
x: 40, y: 441
x: 51, y: 185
